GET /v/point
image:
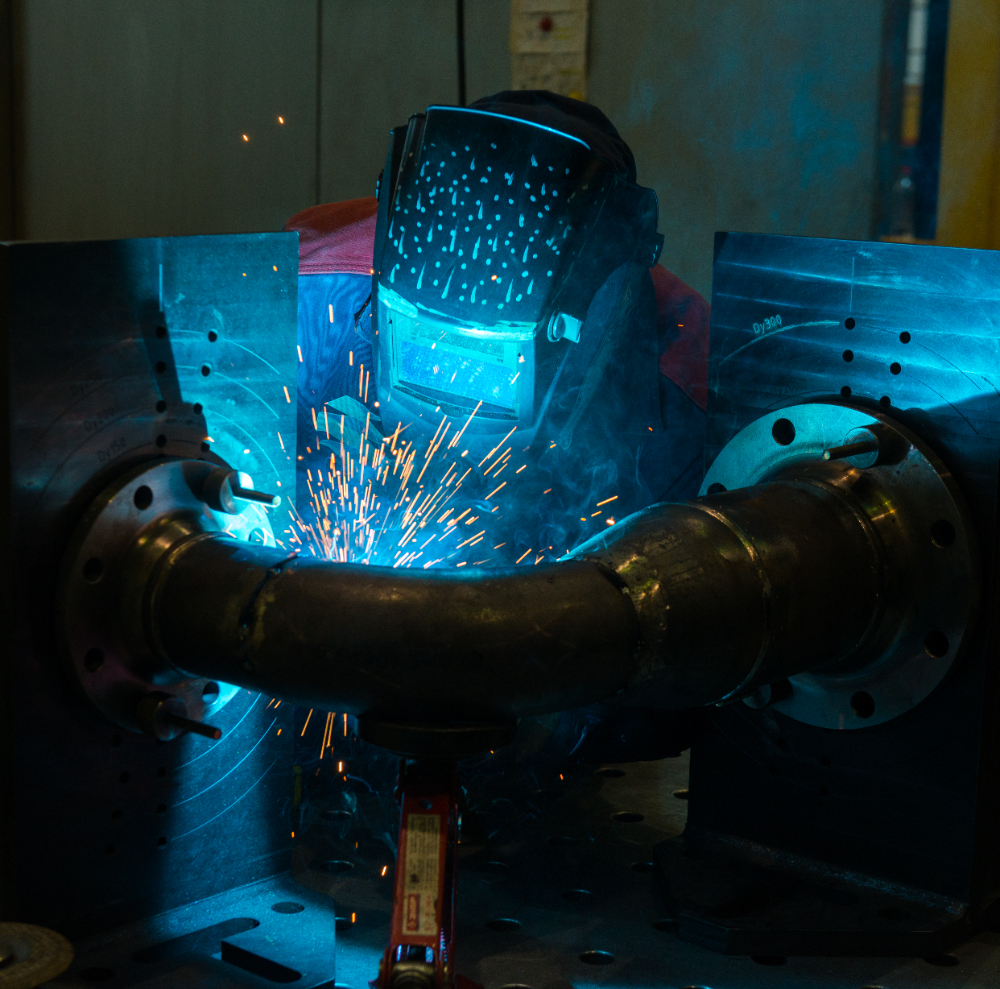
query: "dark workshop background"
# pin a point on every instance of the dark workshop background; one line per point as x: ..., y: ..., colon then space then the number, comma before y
x: 125, y: 118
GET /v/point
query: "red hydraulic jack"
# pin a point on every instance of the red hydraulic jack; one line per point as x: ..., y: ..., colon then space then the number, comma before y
x: 422, y: 940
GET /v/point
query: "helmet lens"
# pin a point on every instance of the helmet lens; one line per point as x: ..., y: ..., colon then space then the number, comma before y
x: 434, y: 361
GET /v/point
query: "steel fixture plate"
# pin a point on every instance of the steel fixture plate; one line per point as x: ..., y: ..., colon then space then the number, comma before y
x: 115, y: 354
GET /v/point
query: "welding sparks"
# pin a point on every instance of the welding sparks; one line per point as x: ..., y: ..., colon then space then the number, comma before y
x: 396, y: 501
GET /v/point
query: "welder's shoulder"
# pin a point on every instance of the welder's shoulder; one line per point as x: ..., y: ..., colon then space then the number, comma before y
x: 682, y: 322
x: 336, y: 238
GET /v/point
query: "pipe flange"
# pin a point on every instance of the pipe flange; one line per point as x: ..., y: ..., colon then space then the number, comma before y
x: 919, y: 516
x: 102, y: 586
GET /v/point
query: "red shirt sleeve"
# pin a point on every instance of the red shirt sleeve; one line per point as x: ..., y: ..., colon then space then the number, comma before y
x: 682, y: 319
x: 336, y: 238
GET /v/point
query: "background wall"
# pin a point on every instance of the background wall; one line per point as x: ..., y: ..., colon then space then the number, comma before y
x: 128, y: 116
x: 744, y: 116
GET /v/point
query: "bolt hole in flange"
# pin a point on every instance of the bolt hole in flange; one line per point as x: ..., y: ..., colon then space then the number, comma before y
x: 862, y: 704
x: 210, y: 692
x: 610, y: 772
x: 93, y: 570
x: 143, y: 497
x: 578, y: 895
x: 783, y: 431
x: 936, y: 644
x: 849, y: 322
x: 716, y: 488
x: 643, y: 866
x: 626, y: 817
x: 942, y: 534
x: 342, y: 924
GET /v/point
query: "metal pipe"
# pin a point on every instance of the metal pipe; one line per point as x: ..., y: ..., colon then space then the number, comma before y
x: 400, y: 644
x: 677, y: 606
x: 747, y: 587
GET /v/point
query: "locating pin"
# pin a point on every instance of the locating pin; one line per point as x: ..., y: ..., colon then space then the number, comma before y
x: 187, y: 724
x: 248, y: 494
x: 851, y: 450
x: 222, y: 486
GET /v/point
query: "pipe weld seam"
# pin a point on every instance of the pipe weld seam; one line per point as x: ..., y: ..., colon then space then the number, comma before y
x: 248, y: 616
x: 765, y: 580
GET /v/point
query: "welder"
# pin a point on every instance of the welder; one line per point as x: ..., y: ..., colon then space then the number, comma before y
x: 543, y: 309
x: 506, y: 278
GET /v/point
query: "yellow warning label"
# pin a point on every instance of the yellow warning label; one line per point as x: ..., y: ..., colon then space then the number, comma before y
x: 420, y: 890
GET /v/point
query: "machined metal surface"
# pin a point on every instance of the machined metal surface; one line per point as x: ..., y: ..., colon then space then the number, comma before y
x: 909, y: 333
x: 118, y: 353
x: 917, y: 514
x: 527, y: 912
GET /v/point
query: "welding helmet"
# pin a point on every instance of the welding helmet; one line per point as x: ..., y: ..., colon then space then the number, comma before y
x: 494, y: 234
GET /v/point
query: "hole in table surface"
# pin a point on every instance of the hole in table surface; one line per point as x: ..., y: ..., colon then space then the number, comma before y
x: 503, y: 924
x: 597, y: 957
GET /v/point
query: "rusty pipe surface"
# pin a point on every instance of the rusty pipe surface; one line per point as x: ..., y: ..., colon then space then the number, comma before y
x: 677, y: 606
